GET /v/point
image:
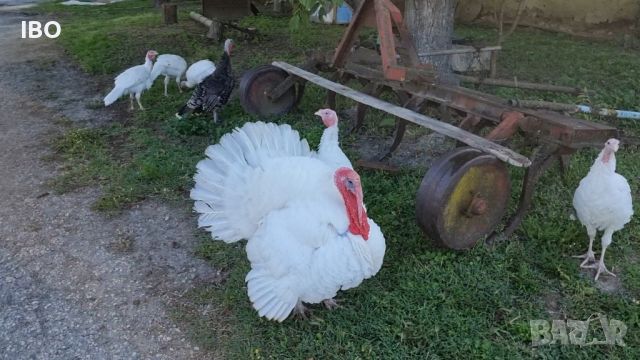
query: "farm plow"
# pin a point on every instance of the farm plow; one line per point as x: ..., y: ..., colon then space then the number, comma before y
x: 465, y: 194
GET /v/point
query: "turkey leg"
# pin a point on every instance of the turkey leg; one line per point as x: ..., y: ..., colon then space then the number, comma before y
x: 130, y: 101
x: 301, y: 311
x: 589, y: 256
x: 606, y: 240
x: 166, y: 85
x: 138, y: 95
x: 179, y: 83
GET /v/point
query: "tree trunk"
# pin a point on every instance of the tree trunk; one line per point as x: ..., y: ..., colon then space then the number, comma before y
x: 431, y: 25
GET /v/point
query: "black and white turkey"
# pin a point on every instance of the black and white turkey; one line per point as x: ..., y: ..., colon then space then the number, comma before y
x: 214, y: 91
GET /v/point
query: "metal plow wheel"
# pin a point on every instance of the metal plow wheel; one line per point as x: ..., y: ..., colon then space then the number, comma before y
x: 255, y: 87
x: 463, y: 196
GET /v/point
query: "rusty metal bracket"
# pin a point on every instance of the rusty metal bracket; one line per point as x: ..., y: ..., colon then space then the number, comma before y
x: 372, y: 89
x: 507, y: 127
x: 543, y: 156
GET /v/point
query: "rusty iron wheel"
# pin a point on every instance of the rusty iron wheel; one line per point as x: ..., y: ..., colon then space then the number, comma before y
x: 257, y: 82
x: 463, y: 196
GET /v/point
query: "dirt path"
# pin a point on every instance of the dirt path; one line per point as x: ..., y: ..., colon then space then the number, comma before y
x: 73, y: 283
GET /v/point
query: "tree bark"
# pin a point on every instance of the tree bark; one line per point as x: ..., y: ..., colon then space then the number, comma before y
x: 431, y: 25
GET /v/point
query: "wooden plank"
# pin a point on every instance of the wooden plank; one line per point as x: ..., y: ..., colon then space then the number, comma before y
x: 460, y: 51
x: 501, y: 152
x: 519, y: 84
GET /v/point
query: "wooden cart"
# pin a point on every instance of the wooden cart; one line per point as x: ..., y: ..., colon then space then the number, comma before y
x: 465, y: 193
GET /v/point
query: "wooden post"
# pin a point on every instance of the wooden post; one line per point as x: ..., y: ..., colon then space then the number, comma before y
x: 215, y: 27
x: 170, y: 13
x: 215, y: 31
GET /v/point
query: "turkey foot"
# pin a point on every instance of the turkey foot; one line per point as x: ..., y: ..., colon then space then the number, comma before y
x: 331, y: 304
x: 589, y: 257
x: 603, y: 270
x: 301, y: 311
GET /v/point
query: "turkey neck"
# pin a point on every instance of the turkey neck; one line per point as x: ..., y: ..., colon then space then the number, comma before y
x: 225, y: 63
x: 606, y: 160
x: 329, y: 137
x: 148, y: 64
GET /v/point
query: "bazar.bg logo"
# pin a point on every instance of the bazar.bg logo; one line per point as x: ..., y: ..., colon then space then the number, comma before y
x: 35, y: 29
x: 544, y: 332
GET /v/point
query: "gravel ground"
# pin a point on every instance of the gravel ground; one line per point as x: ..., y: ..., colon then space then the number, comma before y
x: 75, y: 284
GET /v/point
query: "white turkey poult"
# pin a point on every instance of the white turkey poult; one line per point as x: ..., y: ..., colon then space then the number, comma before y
x: 603, y: 202
x: 169, y: 65
x: 307, y: 229
x: 197, y: 72
x: 133, y: 81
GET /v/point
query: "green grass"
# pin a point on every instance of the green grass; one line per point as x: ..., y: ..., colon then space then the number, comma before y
x: 425, y: 302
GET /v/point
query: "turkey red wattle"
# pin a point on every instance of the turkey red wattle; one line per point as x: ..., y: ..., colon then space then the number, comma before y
x: 348, y: 183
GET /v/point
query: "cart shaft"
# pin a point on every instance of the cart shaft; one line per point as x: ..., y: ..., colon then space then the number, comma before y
x: 501, y: 152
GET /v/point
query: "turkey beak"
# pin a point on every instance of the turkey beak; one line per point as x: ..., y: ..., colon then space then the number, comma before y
x: 318, y: 113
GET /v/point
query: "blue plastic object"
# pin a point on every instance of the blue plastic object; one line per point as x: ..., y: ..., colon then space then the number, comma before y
x: 344, y: 14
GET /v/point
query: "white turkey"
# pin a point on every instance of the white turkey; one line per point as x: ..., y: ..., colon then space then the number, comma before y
x: 198, y: 71
x: 169, y: 65
x: 329, y: 149
x: 603, y: 202
x: 214, y: 91
x: 307, y: 229
x: 133, y: 81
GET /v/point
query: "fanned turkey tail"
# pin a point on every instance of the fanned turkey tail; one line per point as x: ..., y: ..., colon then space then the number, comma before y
x: 224, y: 179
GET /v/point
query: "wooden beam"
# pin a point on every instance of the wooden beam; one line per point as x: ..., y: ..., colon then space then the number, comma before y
x: 460, y: 51
x: 501, y: 152
x: 519, y: 84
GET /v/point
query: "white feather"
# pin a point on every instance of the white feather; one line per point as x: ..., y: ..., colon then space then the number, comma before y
x: 197, y: 72
x: 262, y: 183
x: 603, y: 198
x: 297, y: 254
x: 171, y: 66
x: 329, y: 149
x: 233, y: 191
x: 134, y: 80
